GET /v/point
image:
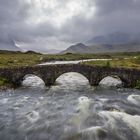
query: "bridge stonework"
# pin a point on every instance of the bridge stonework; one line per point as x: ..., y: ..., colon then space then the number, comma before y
x: 50, y: 73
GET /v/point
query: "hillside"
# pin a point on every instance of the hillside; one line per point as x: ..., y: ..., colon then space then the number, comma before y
x: 77, y: 48
x: 114, y: 42
x: 104, y: 48
x: 9, y: 45
x: 114, y: 38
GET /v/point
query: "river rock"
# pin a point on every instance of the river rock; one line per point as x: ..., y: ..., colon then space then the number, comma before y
x: 110, y: 82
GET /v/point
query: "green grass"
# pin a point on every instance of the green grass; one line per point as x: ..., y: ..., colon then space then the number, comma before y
x: 15, y: 59
x: 4, y: 82
x: 119, y: 63
x: 138, y: 84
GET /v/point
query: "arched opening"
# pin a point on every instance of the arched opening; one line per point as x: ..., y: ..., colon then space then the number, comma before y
x: 31, y: 80
x: 72, y: 79
x: 111, y: 81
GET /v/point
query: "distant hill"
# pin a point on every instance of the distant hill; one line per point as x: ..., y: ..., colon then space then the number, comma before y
x: 113, y: 38
x: 114, y: 42
x: 10, y: 52
x: 103, y: 48
x: 9, y: 45
x: 31, y: 52
x: 17, y: 52
x: 77, y: 48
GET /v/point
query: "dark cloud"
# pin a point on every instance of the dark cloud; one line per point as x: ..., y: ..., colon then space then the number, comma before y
x: 111, y: 6
x: 120, y: 15
x: 38, y: 24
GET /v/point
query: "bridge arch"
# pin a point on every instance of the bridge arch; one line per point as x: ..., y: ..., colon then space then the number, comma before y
x: 18, y: 79
x: 111, y: 80
x: 79, y: 77
x: 124, y: 77
x: 32, y: 80
x: 50, y: 73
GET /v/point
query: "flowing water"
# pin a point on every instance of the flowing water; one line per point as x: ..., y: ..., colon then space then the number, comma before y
x: 72, y: 62
x: 69, y: 110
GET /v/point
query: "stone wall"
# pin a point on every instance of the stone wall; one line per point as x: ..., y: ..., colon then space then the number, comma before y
x: 50, y: 73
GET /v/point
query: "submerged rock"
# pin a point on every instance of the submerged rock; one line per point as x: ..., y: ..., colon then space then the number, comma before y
x: 111, y: 82
x: 96, y: 132
x: 83, y: 104
x: 131, y: 122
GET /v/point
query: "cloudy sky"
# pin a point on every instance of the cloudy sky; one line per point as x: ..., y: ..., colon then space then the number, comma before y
x: 56, y: 24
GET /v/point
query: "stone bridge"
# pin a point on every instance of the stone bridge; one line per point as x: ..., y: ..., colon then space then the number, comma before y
x: 50, y: 73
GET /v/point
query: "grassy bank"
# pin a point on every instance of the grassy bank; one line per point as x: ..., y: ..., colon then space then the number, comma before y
x: 4, y: 84
x: 120, y: 62
x: 15, y: 59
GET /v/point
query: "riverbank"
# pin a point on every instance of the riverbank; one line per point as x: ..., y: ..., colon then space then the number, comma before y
x: 129, y: 62
x: 5, y: 84
x: 16, y: 59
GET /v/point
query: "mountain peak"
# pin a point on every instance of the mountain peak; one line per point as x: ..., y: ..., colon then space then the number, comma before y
x: 77, y: 48
x: 80, y: 44
x: 9, y: 45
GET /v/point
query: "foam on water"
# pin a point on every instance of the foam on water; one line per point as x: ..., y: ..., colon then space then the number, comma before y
x: 82, y: 112
x: 69, y: 111
x: 133, y: 122
x: 103, y: 99
x: 33, y: 81
x: 72, y: 78
x: 94, y: 132
x: 4, y: 101
x: 110, y: 82
x: 83, y: 104
x: 135, y: 99
x: 33, y: 116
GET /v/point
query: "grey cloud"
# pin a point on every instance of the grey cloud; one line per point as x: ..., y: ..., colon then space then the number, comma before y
x: 111, y: 6
x: 110, y: 16
x: 120, y: 15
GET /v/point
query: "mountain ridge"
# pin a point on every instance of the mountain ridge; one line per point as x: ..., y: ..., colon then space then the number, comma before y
x: 105, y: 48
x: 114, y: 38
x: 114, y: 42
x: 9, y: 46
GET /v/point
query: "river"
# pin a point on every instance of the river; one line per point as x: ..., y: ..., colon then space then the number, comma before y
x: 69, y: 110
x: 73, y: 62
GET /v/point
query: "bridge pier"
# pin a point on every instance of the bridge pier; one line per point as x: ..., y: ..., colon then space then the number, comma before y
x: 49, y: 81
x: 95, y: 77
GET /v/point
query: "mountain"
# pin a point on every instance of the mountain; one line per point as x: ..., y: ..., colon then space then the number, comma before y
x: 114, y: 42
x: 9, y: 45
x: 103, y: 48
x: 113, y: 38
x: 78, y: 48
